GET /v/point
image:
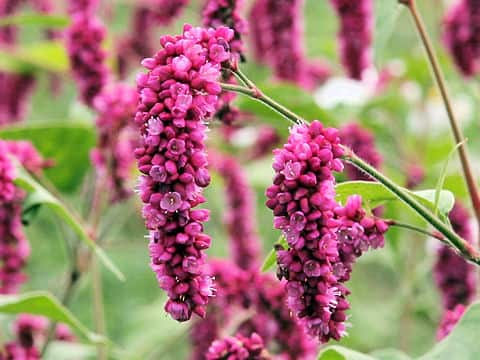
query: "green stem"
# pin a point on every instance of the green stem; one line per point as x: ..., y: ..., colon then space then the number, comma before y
x: 416, y: 229
x: 455, y: 241
x: 440, y: 81
x: 244, y: 78
x: 98, y: 306
x: 73, y: 277
x: 256, y: 94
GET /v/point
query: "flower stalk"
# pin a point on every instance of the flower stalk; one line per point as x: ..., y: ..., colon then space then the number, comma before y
x: 461, y: 245
x: 258, y: 95
x: 465, y: 249
x: 440, y: 81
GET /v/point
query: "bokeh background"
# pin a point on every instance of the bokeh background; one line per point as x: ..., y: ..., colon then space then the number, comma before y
x: 394, y: 302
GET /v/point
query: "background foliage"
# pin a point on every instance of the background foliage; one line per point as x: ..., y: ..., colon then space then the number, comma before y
x: 394, y: 302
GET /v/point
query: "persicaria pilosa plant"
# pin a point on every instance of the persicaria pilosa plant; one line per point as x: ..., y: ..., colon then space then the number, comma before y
x: 258, y: 147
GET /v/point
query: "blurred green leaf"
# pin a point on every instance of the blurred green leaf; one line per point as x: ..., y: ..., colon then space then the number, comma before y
x: 336, y: 352
x: 386, y: 15
x: 45, y: 304
x: 441, y: 178
x: 36, y: 19
x: 37, y: 195
x: 271, y: 258
x: 68, y: 144
x: 376, y: 194
x: 462, y: 343
x: 46, y: 55
x: 389, y: 354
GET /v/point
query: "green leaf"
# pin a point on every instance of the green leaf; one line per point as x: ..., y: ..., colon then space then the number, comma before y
x: 441, y: 178
x: 36, y: 19
x: 462, y: 343
x: 375, y: 194
x: 386, y: 13
x: 37, y: 195
x: 389, y: 354
x: 336, y: 352
x: 271, y: 258
x: 46, y: 55
x: 45, y: 304
x: 67, y: 144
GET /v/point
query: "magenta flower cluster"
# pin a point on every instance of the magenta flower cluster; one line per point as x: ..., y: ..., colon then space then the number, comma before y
x: 455, y: 277
x: 113, y: 156
x: 362, y: 142
x: 356, y: 234
x: 240, y: 212
x: 240, y: 288
x: 241, y: 292
x: 449, y: 320
x: 177, y: 94
x: 137, y: 44
x: 302, y: 198
x: 217, y: 13
x: 355, y: 35
x: 267, y: 138
x: 30, y: 331
x: 84, y: 38
x: 16, y: 89
x: 277, y: 34
x: 323, y: 237
x: 14, y: 247
x: 163, y: 12
x: 238, y: 347
x: 231, y: 296
x: 274, y: 322
x: 462, y: 35
x: 415, y: 175
x: 147, y: 16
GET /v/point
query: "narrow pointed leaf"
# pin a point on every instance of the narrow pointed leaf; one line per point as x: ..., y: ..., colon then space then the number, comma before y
x: 271, y: 258
x: 38, y: 195
x: 36, y: 19
x: 45, y: 304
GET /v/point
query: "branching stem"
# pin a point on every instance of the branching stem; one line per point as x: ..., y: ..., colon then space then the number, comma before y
x: 440, y: 81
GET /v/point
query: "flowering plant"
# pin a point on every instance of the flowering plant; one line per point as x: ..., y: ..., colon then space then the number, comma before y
x: 293, y: 180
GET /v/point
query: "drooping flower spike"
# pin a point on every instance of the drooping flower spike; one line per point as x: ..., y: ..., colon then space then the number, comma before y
x: 113, y: 156
x: 238, y: 347
x: 455, y: 278
x: 240, y: 212
x: 302, y: 198
x: 362, y: 142
x: 147, y: 17
x: 324, y: 238
x: 177, y: 95
x: 30, y: 332
x: 14, y: 247
x: 218, y: 13
x: 461, y: 35
x: 84, y: 38
x: 277, y: 37
x: 449, y: 320
x: 16, y: 89
x: 355, y: 35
